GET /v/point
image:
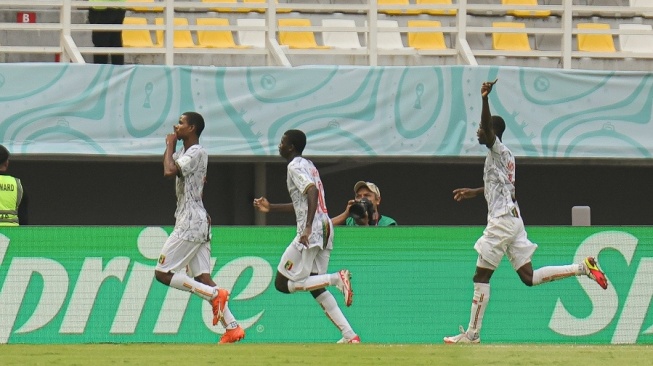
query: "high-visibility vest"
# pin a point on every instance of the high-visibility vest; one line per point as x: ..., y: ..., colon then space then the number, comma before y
x: 11, y: 193
x: 103, y: 7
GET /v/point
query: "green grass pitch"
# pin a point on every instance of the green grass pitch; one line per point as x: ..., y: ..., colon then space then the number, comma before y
x: 324, y: 354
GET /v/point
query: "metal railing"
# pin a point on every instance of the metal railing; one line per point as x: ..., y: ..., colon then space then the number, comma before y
x: 277, y: 54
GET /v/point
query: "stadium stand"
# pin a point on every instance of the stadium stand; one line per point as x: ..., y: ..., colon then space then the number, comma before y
x: 639, y: 43
x: 297, y: 39
x: 595, y: 42
x: 215, y: 38
x: 136, y: 37
x: 425, y: 40
x: 182, y: 37
x: 345, y: 26
x: 510, y: 41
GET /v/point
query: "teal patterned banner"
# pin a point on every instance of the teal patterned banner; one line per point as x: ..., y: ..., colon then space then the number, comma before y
x: 110, y: 110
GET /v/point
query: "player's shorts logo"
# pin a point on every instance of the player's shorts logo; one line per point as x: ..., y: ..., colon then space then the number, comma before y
x: 162, y: 259
x: 288, y: 265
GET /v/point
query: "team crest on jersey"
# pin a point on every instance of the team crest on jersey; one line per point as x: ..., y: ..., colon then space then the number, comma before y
x: 288, y: 265
x: 162, y: 259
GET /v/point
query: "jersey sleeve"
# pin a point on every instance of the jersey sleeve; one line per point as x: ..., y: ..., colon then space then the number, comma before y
x: 300, y: 178
x: 189, y: 160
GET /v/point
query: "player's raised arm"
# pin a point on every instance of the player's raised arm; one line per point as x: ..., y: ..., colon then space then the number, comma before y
x: 170, y: 169
x: 486, y: 116
x: 460, y: 194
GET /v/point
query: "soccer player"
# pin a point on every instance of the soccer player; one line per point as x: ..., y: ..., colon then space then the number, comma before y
x: 189, y: 245
x: 304, y: 264
x: 505, y: 233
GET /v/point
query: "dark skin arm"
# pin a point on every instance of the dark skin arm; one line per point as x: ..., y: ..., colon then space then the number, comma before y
x: 486, y: 116
x: 170, y: 169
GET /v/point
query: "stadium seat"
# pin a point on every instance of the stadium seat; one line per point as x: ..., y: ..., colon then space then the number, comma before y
x: 426, y: 40
x: 181, y: 38
x: 142, y: 9
x: 636, y: 42
x: 595, y: 42
x: 340, y: 39
x: 136, y: 38
x: 396, y: 11
x: 434, y: 11
x: 252, y: 38
x: 525, y: 13
x: 388, y: 40
x: 262, y: 10
x: 299, y: 39
x: 510, y: 41
x: 215, y: 38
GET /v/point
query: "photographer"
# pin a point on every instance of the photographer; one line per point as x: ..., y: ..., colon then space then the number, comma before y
x: 363, y: 210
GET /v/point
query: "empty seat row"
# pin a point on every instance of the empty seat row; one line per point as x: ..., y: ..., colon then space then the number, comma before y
x: 639, y: 43
x: 292, y: 39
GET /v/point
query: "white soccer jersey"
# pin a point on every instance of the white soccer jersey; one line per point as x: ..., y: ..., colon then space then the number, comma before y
x: 301, y: 175
x: 499, y: 180
x: 191, y: 217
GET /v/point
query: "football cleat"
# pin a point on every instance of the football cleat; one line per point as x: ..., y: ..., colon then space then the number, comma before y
x: 345, y: 286
x: 461, y: 338
x: 218, y: 303
x: 232, y: 335
x: 355, y: 339
x: 595, y: 273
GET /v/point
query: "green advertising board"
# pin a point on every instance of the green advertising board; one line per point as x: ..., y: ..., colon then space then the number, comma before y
x: 411, y: 284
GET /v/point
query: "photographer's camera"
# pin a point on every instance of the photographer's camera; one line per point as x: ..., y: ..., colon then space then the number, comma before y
x: 358, y: 210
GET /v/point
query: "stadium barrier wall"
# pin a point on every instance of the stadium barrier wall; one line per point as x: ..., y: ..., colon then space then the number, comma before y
x: 346, y: 111
x: 412, y: 285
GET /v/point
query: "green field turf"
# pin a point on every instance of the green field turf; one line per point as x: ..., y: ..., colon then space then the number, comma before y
x: 324, y: 354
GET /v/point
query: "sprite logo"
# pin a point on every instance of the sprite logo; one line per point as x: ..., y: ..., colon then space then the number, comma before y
x: 137, y: 279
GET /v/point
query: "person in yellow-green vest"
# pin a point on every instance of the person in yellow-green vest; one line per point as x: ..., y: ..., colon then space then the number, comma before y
x: 13, y: 202
x: 104, y: 38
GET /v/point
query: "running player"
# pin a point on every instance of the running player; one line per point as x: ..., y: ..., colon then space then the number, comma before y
x: 304, y: 264
x: 190, y: 242
x: 505, y: 233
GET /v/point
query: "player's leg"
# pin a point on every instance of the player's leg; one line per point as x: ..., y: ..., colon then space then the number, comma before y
x: 329, y: 303
x: 170, y: 270
x: 201, y: 264
x: 294, y: 271
x: 521, y: 251
x: 490, y: 248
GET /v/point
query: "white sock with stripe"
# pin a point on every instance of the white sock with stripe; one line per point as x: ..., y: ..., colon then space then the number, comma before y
x: 479, y: 304
x: 552, y: 273
x: 229, y: 320
x: 333, y: 312
x: 313, y: 282
x: 181, y: 281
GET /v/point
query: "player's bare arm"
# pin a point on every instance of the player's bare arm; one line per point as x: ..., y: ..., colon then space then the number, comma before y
x: 311, y: 198
x: 486, y: 116
x: 170, y: 169
x: 460, y: 194
x: 263, y: 205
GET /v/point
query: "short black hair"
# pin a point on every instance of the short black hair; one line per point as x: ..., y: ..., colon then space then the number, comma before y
x: 195, y: 119
x: 4, y: 154
x: 498, y: 125
x: 297, y: 138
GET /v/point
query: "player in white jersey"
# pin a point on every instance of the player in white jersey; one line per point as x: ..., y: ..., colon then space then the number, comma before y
x: 303, y: 266
x: 188, y: 248
x: 505, y: 233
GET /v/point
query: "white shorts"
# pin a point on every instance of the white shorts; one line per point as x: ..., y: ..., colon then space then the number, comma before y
x: 298, y: 262
x: 177, y: 254
x: 504, y: 235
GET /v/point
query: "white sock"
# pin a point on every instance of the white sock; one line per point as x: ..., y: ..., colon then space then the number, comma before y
x: 333, y: 312
x: 229, y: 320
x: 313, y: 282
x: 552, y: 273
x: 479, y: 304
x: 181, y: 281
